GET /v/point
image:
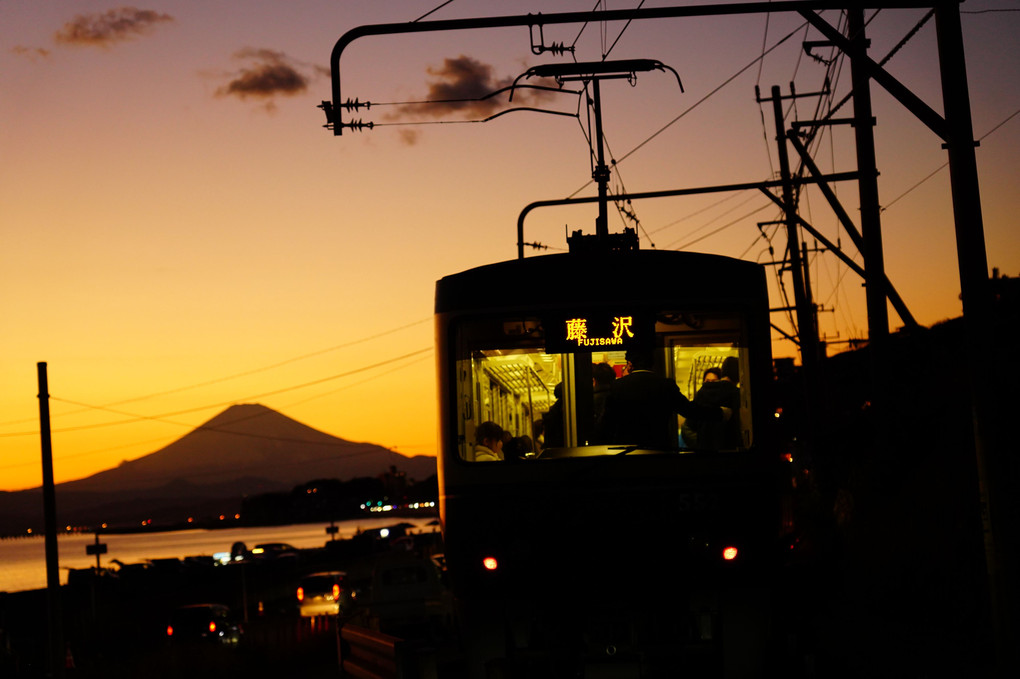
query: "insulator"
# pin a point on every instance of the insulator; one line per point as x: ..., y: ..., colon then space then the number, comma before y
x: 354, y: 105
x: 358, y: 125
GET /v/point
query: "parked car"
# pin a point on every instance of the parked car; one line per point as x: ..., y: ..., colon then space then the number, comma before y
x: 204, y: 623
x: 327, y: 593
x: 274, y: 550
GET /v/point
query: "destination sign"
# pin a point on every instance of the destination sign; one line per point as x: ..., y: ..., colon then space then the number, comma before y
x: 587, y: 331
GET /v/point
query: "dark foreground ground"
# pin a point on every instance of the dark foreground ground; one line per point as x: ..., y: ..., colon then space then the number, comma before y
x: 115, y: 626
x: 854, y: 609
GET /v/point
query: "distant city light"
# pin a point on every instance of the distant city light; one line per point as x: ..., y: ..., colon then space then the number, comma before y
x: 377, y: 507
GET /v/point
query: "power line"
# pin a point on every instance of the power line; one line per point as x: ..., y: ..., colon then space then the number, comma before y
x: 62, y: 458
x: 137, y: 418
x: 247, y: 398
x: 203, y: 427
x: 355, y: 384
x: 245, y: 373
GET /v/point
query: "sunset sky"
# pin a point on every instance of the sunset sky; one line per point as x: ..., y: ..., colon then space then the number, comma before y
x: 180, y: 233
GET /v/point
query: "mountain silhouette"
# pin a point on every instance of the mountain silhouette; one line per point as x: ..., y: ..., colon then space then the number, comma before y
x: 256, y: 442
x: 245, y: 450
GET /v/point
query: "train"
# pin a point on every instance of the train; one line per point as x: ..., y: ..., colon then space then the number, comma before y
x: 574, y: 551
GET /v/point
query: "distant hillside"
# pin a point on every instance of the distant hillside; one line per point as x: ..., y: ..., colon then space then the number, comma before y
x: 245, y: 450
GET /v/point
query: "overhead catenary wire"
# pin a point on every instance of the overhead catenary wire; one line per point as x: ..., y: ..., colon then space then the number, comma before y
x: 752, y: 195
x: 584, y: 26
x: 695, y: 105
x: 432, y: 11
x: 725, y: 198
x: 620, y: 34
x: 946, y: 164
x: 725, y: 226
x: 616, y: 162
x: 896, y: 48
x: 815, y: 134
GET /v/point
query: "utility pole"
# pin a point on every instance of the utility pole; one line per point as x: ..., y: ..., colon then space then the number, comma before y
x: 57, y: 653
x: 806, y: 328
x: 989, y: 430
x: 867, y: 168
x: 601, y: 172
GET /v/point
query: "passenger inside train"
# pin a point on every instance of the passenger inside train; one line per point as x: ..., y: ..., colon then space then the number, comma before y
x: 552, y: 379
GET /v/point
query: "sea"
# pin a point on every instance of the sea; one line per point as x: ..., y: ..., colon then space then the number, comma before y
x: 23, y: 559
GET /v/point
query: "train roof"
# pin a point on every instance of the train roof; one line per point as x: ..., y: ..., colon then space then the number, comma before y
x: 646, y: 276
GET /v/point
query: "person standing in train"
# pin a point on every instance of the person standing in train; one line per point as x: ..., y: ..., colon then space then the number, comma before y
x: 642, y: 407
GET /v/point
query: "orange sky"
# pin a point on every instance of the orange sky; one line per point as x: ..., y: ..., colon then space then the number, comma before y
x: 180, y: 233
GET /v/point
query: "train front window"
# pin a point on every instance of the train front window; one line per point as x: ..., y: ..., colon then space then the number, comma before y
x: 557, y: 385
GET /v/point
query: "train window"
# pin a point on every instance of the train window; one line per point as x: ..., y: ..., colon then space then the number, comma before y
x: 552, y: 398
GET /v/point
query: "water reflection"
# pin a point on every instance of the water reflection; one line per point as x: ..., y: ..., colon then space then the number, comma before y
x: 23, y: 561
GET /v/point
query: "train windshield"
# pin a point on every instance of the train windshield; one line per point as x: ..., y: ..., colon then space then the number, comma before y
x: 589, y: 384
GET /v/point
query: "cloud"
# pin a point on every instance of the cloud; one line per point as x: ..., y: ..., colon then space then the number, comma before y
x: 458, y: 87
x: 112, y: 26
x: 32, y: 53
x: 409, y: 137
x: 271, y: 73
